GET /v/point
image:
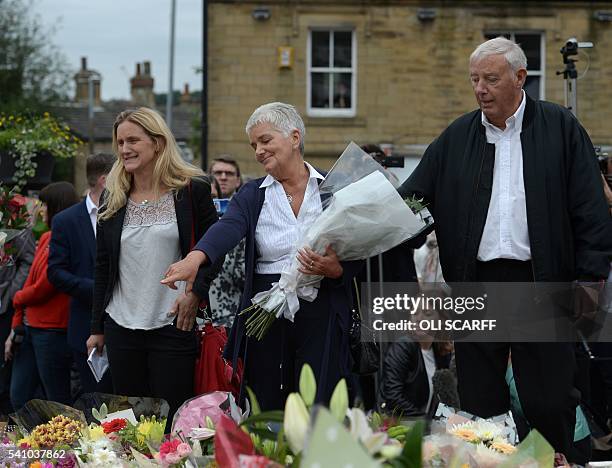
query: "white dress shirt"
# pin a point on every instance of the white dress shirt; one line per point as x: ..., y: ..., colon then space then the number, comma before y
x: 505, y: 233
x: 278, y: 230
x: 92, y: 209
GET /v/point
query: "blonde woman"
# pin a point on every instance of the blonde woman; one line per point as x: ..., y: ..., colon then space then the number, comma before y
x: 155, y: 204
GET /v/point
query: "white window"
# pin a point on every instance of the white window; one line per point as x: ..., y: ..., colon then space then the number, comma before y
x: 533, y: 45
x: 331, y: 81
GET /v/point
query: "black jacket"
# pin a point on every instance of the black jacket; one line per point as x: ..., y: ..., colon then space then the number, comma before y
x: 197, y: 205
x: 570, y: 230
x: 404, y: 388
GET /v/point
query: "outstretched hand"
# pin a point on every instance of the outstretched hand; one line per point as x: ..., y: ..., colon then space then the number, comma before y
x: 184, y: 270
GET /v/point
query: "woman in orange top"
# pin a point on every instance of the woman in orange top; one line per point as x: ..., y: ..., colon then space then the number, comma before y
x: 43, y: 358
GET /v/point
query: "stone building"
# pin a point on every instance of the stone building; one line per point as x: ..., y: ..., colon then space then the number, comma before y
x: 388, y: 71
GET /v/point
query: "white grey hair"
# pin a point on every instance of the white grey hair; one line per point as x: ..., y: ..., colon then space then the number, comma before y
x: 283, y: 117
x: 511, y: 51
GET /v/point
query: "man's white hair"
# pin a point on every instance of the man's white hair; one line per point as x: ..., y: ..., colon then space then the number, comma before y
x: 511, y: 51
x: 283, y: 117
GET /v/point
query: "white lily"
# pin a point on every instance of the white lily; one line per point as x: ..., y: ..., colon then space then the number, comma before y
x: 201, y: 433
x: 361, y: 431
x: 296, y: 422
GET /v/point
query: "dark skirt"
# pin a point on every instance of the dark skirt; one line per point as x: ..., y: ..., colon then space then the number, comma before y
x: 273, y: 365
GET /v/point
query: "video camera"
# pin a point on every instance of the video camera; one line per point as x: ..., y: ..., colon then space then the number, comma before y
x: 571, y: 48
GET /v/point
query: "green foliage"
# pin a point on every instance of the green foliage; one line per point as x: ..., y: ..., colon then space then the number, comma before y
x: 255, y: 409
x: 411, y: 456
x: 23, y: 136
x: 415, y: 204
x: 33, y: 73
x: 100, y: 414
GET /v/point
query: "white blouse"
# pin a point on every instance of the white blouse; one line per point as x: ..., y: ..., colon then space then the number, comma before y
x: 278, y: 230
x: 149, y: 244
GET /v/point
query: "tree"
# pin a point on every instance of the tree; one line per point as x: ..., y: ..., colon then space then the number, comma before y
x: 33, y: 72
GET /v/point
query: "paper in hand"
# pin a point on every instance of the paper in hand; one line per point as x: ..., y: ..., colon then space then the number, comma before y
x: 98, y: 364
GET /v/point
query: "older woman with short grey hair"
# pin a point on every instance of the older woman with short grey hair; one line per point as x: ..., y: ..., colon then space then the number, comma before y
x: 271, y: 213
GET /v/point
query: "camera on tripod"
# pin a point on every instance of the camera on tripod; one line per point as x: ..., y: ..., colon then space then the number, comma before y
x: 571, y: 47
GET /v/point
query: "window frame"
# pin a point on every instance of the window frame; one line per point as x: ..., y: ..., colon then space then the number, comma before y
x: 331, y: 112
x: 542, y: 71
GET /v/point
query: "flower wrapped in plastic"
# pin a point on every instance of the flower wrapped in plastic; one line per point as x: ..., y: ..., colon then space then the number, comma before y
x: 198, y: 417
x: 461, y: 438
x: 363, y: 215
x: 38, y: 413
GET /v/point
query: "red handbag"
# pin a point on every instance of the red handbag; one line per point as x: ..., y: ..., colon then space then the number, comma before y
x: 212, y: 371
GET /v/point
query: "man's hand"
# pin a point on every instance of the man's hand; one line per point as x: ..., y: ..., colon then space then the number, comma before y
x: 95, y: 341
x: 186, y: 307
x: 327, y: 265
x: 185, y: 270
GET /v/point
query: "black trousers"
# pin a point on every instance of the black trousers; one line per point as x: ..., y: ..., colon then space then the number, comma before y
x: 544, y: 373
x: 273, y: 365
x: 153, y: 363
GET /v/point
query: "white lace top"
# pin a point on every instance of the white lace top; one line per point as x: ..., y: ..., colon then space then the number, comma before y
x: 149, y: 245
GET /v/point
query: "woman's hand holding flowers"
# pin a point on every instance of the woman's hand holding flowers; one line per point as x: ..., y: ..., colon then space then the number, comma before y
x: 327, y: 265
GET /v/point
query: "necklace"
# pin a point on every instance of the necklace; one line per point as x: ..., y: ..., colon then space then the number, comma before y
x: 289, y: 198
x: 144, y: 202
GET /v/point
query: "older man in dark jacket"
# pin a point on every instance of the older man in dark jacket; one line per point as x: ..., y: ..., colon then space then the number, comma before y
x: 516, y: 196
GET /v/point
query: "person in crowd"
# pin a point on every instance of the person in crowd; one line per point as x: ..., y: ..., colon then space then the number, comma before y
x: 226, y: 171
x: 270, y: 213
x: 407, y: 377
x: 533, y: 211
x: 12, y: 278
x: 226, y: 289
x: 41, y: 315
x: 154, y: 207
x: 72, y: 255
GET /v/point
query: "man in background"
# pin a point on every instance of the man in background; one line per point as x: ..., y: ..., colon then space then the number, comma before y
x: 226, y: 289
x: 226, y: 171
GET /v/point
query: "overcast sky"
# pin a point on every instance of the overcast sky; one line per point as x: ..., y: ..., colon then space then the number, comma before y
x: 116, y: 34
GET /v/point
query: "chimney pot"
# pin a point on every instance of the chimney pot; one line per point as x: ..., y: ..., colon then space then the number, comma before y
x: 147, y: 68
x: 83, y: 63
x: 137, y: 69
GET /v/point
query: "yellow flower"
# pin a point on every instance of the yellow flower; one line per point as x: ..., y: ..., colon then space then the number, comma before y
x: 95, y: 432
x: 150, y: 430
x: 503, y: 447
x: 36, y: 464
x: 465, y: 434
x: 46, y: 115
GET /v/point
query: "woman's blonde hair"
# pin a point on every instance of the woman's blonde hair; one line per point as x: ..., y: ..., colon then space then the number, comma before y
x: 170, y: 170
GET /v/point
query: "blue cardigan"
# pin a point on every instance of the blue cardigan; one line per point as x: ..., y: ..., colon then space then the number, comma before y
x: 239, y: 221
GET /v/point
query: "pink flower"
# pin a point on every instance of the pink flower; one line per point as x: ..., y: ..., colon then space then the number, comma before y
x: 183, y: 449
x: 168, y: 447
x: 172, y: 458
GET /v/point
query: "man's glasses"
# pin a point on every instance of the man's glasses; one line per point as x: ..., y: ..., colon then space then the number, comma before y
x: 226, y: 173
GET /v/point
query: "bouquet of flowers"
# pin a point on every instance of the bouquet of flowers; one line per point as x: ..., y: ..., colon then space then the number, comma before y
x: 14, y: 219
x: 460, y: 438
x: 363, y: 216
